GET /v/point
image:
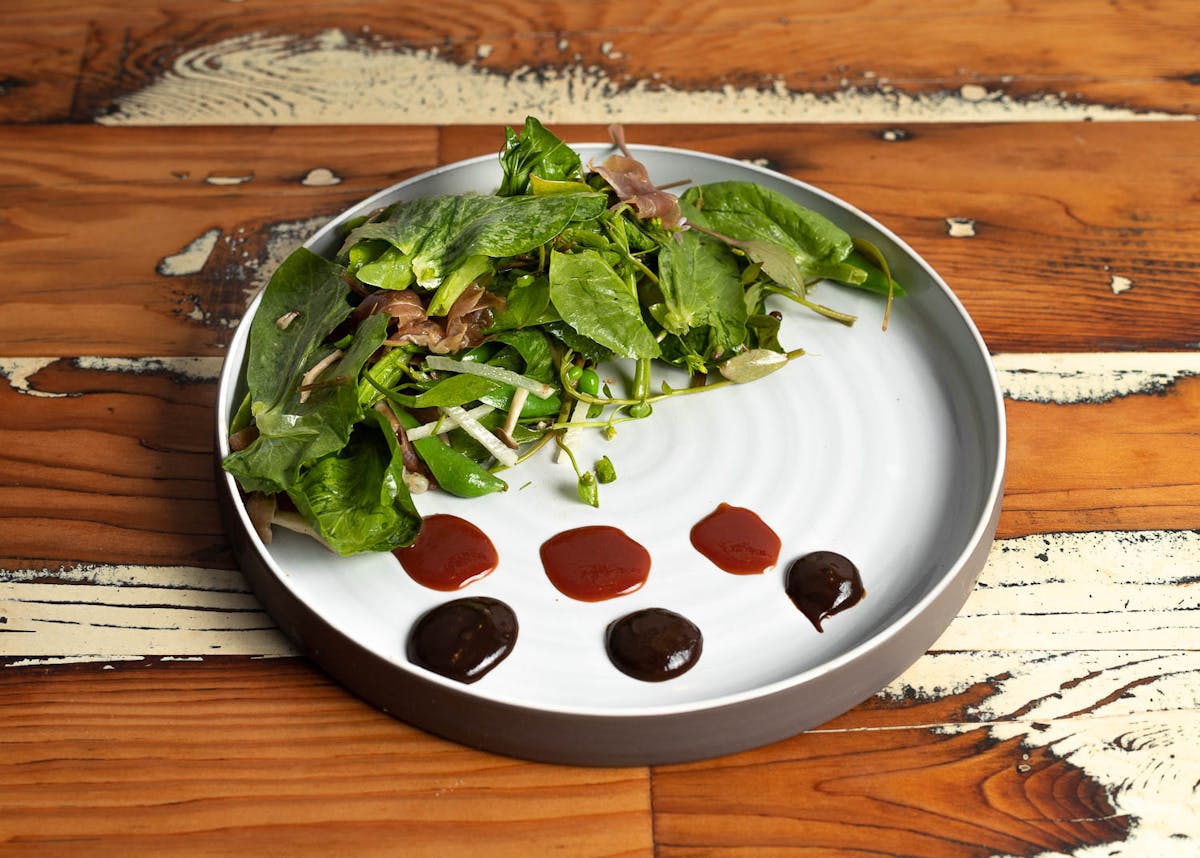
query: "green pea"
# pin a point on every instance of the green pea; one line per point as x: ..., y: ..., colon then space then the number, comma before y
x: 589, y: 382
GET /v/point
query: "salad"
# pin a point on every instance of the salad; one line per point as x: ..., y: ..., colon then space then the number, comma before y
x: 452, y: 337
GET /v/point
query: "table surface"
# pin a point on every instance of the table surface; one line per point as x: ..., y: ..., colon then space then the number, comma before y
x: 158, y: 158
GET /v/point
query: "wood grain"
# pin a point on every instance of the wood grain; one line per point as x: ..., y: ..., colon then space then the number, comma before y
x: 1036, y: 275
x: 121, y: 451
x: 1137, y: 57
x: 198, y: 758
x: 869, y: 792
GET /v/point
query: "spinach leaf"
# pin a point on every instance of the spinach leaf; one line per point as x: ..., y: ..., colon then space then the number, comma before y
x: 300, y: 428
x: 535, y: 151
x: 583, y: 346
x: 701, y: 286
x: 594, y: 300
x: 877, y: 280
x: 439, y: 234
x: 772, y: 223
x: 279, y: 354
x: 356, y: 497
x: 525, y: 305
x: 391, y: 269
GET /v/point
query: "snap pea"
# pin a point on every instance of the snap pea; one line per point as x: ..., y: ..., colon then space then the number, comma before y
x: 454, y: 471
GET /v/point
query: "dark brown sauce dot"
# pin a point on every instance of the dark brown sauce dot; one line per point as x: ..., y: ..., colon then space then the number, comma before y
x: 736, y: 540
x: 448, y: 553
x: 653, y: 644
x: 595, y: 563
x: 463, y: 639
x: 822, y: 584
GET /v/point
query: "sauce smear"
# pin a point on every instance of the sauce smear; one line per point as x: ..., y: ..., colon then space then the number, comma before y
x: 736, y: 540
x: 463, y: 639
x: 653, y: 644
x: 822, y: 584
x: 448, y: 554
x: 595, y: 563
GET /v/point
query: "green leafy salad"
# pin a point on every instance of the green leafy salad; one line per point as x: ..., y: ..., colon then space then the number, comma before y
x: 452, y: 337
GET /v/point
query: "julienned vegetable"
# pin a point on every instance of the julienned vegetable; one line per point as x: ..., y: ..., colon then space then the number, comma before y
x: 477, y: 323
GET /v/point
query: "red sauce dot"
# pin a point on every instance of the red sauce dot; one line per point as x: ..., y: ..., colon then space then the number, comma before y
x: 595, y: 563
x: 736, y: 540
x: 448, y: 554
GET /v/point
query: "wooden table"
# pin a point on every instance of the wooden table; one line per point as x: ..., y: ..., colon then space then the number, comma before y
x: 158, y: 158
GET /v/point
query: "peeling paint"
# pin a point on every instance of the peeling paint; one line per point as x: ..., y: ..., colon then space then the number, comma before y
x: 192, y: 258
x: 229, y: 180
x: 960, y: 227
x: 190, y: 368
x: 19, y: 371
x: 260, y: 78
x: 1071, y: 378
x: 1107, y: 589
x: 320, y: 177
x: 1118, y: 699
x: 51, y: 662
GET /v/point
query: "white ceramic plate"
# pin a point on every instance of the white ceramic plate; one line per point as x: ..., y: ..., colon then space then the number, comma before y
x: 888, y: 447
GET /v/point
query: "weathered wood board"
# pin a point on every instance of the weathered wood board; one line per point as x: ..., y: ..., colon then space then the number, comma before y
x: 159, y: 157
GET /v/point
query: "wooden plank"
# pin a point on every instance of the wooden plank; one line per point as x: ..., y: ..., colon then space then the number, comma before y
x: 225, y: 203
x: 41, y: 72
x: 108, y: 460
x: 1120, y: 464
x: 901, y: 791
x: 341, y: 61
x: 270, y: 758
x: 1063, y: 254
x: 1119, y: 591
x: 120, y: 450
x: 1020, y: 754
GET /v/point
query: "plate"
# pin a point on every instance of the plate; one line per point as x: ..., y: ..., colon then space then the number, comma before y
x: 886, y: 446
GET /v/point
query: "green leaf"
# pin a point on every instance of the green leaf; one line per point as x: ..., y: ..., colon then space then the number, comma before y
x: 701, y: 286
x: 279, y: 353
x: 876, y: 280
x: 460, y: 278
x: 392, y: 269
x: 300, y: 428
x: 525, y: 305
x: 752, y: 365
x: 356, y: 498
x: 771, y: 222
x: 535, y: 151
x: 439, y: 234
x: 597, y: 303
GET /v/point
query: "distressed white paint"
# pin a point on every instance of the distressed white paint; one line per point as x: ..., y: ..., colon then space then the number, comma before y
x: 92, y: 613
x: 1069, y: 378
x: 1090, y: 591
x: 192, y: 258
x: 1093, y: 591
x: 20, y: 371
x: 320, y: 177
x: 260, y: 78
x: 229, y: 180
x: 960, y: 227
x: 1128, y: 720
x: 1120, y: 284
x: 192, y: 368
x: 1099, y: 680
